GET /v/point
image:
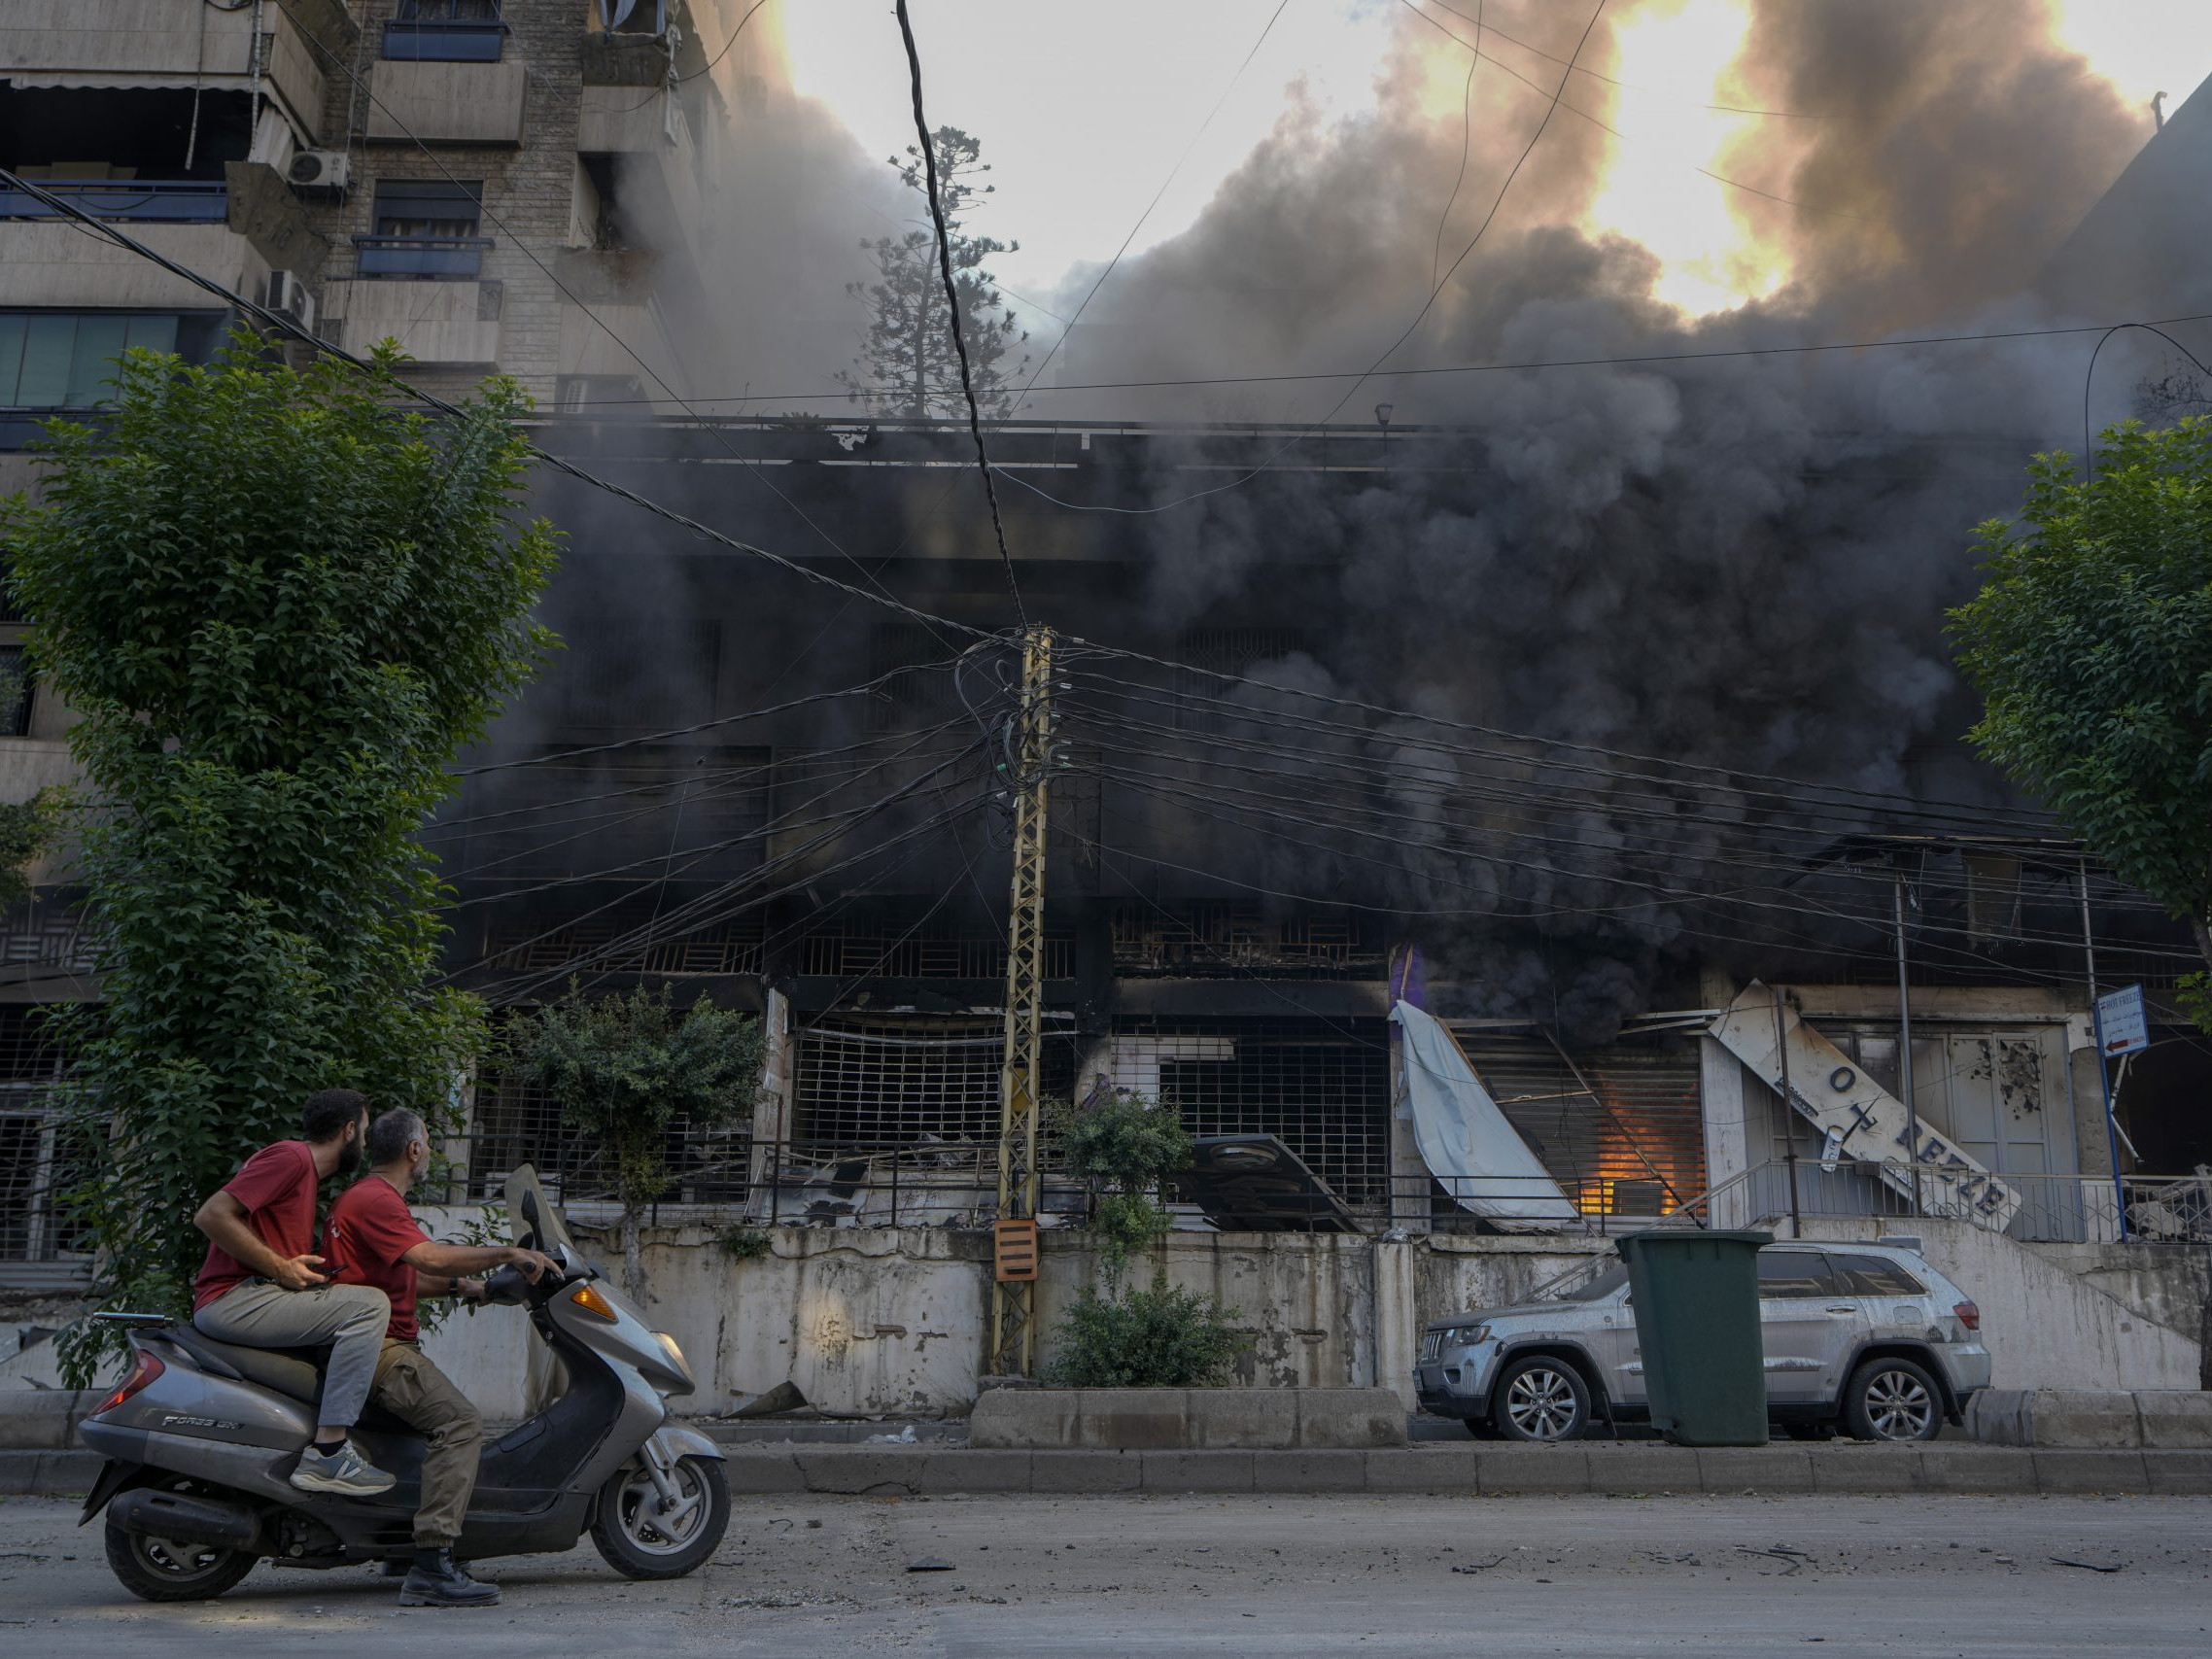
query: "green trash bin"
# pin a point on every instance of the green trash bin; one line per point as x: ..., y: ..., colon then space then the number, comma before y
x: 1696, y: 1301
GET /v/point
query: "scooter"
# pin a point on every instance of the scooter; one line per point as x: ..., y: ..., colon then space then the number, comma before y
x: 202, y: 1437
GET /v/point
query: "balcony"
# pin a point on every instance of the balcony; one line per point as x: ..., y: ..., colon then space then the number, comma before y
x: 448, y: 103
x: 49, y: 263
x: 168, y: 201
x: 452, y: 323
x: 434, y: 259
x: 165, y: 44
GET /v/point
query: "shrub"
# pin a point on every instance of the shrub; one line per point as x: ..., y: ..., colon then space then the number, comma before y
x: 1157, y: 1338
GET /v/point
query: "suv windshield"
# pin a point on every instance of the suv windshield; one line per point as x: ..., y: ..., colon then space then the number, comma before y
x: 1600, y: 1288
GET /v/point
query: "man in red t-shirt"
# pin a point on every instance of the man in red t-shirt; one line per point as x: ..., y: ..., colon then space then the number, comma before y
x: 261, y: 1286
x: 372, y: 1236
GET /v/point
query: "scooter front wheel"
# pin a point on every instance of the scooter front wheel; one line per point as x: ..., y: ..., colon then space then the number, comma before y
x: 640, y: 1540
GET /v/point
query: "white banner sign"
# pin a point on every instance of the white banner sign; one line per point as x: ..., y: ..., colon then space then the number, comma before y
x: 1861, y: 1118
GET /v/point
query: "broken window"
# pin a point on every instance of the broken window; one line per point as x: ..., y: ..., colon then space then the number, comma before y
x: 1630, y: 1143
x: 1236, y: 936
x: 914, y: 939
x: 16, y: 692
x: 1320, y: 1085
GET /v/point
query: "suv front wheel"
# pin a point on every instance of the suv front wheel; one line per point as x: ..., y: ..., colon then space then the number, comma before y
x: 1893, y: 1400
x: 1540, y: 1398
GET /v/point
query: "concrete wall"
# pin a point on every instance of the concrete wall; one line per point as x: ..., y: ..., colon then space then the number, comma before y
x: 2044, y: 1326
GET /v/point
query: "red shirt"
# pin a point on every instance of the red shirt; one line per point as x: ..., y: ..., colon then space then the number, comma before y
x: 368, y: 1231
x: 277, y: 1187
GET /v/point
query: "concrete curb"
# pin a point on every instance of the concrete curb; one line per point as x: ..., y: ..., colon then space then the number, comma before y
x: 1624, y: 1470
x: 1197, y: 1419
x: 1640, y: 1471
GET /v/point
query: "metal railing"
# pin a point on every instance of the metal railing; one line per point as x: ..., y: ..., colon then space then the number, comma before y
x: 2036, y: 1207
x: 177, y: 200
x: 438, y: 40
x: 451, y: 259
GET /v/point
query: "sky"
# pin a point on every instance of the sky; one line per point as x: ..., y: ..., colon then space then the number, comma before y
x: 1085, y: 107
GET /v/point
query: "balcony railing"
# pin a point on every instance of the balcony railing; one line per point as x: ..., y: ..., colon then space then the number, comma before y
x: 175, y: 200
x: 450, y: 259
x: 460, y: 41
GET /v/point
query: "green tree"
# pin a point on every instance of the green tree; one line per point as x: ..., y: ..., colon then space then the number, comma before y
x: 907, y: 365
x: 2091, y: 643
x: 629, y: 1070
x: 281, y: 605
x: 1127, y: 1149
x: 28, y: 830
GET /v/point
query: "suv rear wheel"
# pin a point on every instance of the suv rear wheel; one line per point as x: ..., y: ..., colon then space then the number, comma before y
x: 1540, y: 1398
x: 1893, y: 1400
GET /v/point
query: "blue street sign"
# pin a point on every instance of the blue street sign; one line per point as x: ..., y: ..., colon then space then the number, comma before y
x: 2122, y: 1024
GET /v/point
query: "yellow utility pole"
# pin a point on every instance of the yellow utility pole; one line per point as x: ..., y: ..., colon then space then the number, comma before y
x: 1014, y: 1291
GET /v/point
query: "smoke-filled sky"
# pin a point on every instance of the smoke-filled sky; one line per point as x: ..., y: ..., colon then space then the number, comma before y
x: 1084, y: 108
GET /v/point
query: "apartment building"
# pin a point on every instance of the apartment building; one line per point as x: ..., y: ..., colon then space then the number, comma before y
x: 509, y: 187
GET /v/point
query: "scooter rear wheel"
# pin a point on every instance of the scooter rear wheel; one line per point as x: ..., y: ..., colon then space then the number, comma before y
x: 167, y: 1569
x: 633, y: 1537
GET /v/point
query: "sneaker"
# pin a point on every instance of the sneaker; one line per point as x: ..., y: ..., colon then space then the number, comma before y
x: 344, y: 1471
x: 437, y: 1581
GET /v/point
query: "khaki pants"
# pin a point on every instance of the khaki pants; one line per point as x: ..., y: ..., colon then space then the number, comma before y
x: 422, y: 1396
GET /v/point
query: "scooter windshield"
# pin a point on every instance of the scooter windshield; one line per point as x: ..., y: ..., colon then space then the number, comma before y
x: 533, y: 1218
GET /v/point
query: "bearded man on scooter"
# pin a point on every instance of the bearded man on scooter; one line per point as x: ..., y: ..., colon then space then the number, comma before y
x: 372, y: 1236
x: 261, y: 1285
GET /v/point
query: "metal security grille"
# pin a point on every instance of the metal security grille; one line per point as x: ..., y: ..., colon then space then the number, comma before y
x: 1223, y: 651
x: 903, y: 941
x: 874, y: 1085
x: 1321, y: 1086
x: 626, y: 941
x: 920, y: 690
x: 1236, y: 936
x: 1633, y: 1143
x: 516, y: 1122
x: 36, y: 1165
x: 51, y: 932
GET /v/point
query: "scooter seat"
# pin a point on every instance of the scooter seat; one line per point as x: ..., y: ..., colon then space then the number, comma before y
x: 293, y: 1371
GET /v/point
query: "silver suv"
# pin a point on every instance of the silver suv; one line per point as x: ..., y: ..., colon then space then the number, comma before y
x: 1867, y: 1337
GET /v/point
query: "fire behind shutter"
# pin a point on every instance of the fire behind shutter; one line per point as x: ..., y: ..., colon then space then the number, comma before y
x: 1638, y: 1148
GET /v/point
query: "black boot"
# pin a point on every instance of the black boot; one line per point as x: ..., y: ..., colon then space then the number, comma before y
x: 437, y: 1581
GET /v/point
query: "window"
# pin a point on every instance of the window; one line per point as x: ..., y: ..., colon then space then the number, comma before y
x: 15, y: 692
x: 62, y: 360
x: 445, y: 31
x: 1794, y: 1274
x: 1874, y: 1276
x: 426, y: 229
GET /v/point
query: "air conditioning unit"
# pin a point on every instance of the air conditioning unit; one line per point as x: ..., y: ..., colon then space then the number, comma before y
x: 289, y: 298
x: 320, y: 170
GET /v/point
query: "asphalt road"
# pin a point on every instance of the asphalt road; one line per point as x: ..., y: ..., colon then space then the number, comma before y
x: 1121, y: 1575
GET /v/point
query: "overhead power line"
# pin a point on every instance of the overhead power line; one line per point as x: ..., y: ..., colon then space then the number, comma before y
x: 280, y: 324
x: 952, y: 308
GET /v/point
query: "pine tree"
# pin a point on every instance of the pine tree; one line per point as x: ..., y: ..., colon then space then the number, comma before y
x: 907, y: 365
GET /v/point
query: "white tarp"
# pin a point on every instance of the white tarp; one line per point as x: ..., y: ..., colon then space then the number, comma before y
x: 1465, y: 1139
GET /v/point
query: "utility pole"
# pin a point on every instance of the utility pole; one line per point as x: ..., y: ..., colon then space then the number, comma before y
x: 1905, y: 1042
x: 1014, y: 1289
